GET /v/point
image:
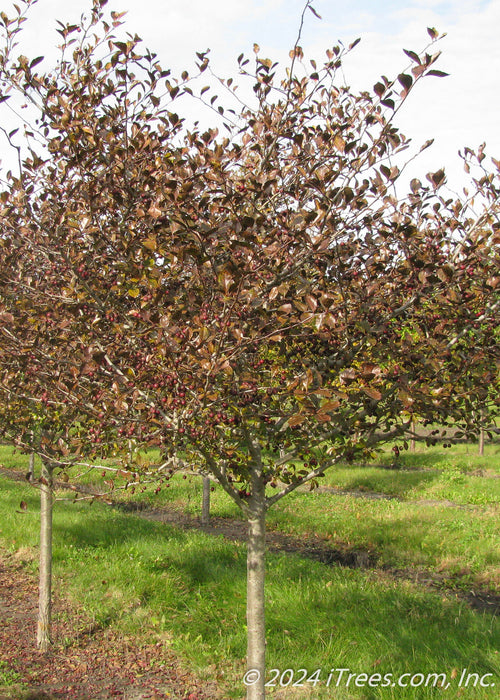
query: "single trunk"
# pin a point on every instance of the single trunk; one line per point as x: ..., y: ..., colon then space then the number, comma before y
x: 205, y: 505
x: 412, y: 439
x: 481, y: 434
x: 45, y: 586
x: 256, y: 631
x: 31, y: 468
x: 481, y: 442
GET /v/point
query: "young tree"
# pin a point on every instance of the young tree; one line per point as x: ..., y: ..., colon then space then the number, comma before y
x: 48, y: 367
x: 20, y: 419
x: 260, y: 301
x: 36, y: 416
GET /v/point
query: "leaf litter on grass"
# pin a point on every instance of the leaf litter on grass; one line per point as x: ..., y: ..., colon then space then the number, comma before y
x: 87, y: 662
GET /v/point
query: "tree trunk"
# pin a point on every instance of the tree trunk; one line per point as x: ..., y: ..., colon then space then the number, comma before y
x: 481, y: 434
x: 481, y: 442
x: 205, y: 505
x: 256, y: 631
x: 412, y: 439
x: 45, y: 586
x: 31, y: 468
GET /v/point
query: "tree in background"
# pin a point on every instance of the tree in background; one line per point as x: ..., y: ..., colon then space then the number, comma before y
x: 259, y: 301
x: 32, y: 424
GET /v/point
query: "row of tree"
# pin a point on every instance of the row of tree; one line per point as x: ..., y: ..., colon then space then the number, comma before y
x: 255, y: 297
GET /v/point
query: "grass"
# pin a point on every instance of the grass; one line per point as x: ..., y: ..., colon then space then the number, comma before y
x: 12, y: 459
x: 442, y: 515
x: 448, y: 482
x: 187, y: 589
x: 8, y: 677
x: 399, y: 534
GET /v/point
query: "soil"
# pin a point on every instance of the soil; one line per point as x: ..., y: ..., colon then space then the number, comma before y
x: 86, y: 663
x: 89, y: 663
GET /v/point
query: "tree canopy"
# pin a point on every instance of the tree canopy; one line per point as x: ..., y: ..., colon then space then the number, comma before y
x: 254, y: 296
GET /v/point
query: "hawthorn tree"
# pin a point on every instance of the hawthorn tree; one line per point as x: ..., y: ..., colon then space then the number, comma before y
x: 259, y: 301
x: 34, y: 422
x: 15, y: 412
x: 48, y: 367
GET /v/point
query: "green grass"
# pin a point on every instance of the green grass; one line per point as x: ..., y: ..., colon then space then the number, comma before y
x: 446, y: 481
x: 187, y: 589
x: 466, y: 454
x: 460, y: 542
x: 13, y: 459
x: 443, y: 516
x: 8, y: 677
x: 450, y: 540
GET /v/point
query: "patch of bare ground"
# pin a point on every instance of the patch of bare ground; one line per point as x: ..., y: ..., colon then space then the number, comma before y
x: 86, y: 662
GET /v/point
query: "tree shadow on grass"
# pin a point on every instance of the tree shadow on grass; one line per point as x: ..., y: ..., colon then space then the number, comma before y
x: 87, y: 526
x: 369, y: 623
x: 318, y: 614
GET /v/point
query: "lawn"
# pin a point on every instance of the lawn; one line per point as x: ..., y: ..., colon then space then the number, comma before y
x: 186, y: 589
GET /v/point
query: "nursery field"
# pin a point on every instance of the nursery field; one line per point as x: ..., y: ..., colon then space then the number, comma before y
x: 221, y: 299
x: 391, y: 571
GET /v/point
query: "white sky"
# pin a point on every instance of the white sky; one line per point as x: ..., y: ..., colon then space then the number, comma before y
x: 461, y: 110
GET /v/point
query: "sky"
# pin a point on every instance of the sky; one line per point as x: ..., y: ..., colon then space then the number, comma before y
x: 460, y: 110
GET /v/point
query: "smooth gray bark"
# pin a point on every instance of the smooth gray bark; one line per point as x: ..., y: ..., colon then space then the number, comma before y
x: 256, y: 629
x: 31, y: 468
x: 481, y: 442
x: 481, y: 434
x: 45, y: 585
x: 412, y: 439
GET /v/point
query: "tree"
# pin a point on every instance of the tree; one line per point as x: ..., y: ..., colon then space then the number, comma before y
x: 260, y: 301
x: 20, y: 419
x: 45, y: 388
x: 35, y: 423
